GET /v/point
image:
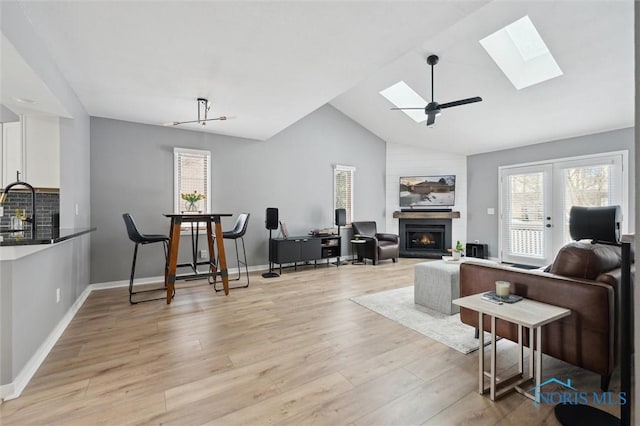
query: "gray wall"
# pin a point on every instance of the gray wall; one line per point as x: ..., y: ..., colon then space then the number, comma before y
x: 132, y: 171
x: 73, y: 270
x: 482, y: 176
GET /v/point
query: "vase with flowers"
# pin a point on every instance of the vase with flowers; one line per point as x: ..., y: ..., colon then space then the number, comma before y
x: 192, y: 199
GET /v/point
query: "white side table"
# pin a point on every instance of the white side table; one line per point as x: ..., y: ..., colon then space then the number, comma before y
x: 354, y: 252
x: 525, y: 313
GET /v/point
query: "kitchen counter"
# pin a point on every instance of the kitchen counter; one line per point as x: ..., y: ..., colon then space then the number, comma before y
x: 44, y: 235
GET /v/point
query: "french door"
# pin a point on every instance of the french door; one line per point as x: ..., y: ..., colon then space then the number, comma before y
x: 535, y: 201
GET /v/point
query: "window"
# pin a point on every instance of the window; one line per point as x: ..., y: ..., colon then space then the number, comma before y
x: 192, y: 171
x: 343, y: 190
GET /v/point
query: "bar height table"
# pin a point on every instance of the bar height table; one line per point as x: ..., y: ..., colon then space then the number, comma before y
x: 174, y: 242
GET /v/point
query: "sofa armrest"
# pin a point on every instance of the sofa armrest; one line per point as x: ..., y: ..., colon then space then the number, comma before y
x: 388, y: 237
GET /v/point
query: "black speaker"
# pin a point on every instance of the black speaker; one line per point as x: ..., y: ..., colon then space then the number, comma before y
x: 271, y: 220
x: 595, y: 223
x: 271, y: 223
x: 477, y: 250
x: 341, y: 217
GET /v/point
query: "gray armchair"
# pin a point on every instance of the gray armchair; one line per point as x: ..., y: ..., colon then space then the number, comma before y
x: 379, y: 246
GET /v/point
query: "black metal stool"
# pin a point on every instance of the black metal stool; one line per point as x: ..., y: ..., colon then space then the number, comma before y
x: 237, y: 233
x: 138, y: 238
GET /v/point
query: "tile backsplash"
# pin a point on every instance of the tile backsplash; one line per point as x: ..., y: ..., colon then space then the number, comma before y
x: 47, y: 203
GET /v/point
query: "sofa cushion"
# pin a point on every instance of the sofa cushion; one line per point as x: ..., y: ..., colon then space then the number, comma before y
x: 585, y: 260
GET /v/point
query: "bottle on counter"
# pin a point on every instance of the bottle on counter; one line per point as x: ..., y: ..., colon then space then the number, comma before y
x: 16, y: 221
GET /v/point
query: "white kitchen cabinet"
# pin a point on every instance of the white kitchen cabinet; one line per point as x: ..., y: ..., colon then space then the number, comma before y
x: 42, y: 151
x: 32, y: 147
x: 12, y: 152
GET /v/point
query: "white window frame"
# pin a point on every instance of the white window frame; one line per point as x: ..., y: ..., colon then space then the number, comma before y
x: 176, y: 183
x: 341, y: 168
x: 557, y: 163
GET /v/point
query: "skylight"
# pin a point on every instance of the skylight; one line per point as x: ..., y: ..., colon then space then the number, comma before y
x: 521, y: 54
x: 403, y: 96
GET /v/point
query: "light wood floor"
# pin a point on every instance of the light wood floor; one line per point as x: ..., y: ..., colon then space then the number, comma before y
x: 289, y: 350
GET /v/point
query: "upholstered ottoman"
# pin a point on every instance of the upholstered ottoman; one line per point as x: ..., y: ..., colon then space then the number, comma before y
x: 436, y: 284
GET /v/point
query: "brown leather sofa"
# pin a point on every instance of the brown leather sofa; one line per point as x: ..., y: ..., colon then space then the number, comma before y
x: 379, y: 246
x: 584, y: 277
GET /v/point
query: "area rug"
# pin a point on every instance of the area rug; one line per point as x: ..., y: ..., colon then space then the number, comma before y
x: 397, y: 305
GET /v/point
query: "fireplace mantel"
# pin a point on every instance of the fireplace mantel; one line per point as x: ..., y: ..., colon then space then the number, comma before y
x: 426, y: 215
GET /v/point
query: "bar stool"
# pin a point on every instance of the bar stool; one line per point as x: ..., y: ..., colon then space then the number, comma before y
x: 138, y: 239
x: 237, y: 233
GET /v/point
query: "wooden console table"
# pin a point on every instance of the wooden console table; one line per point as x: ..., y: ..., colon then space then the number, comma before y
x: 174, y: 242
x: 525, y: 313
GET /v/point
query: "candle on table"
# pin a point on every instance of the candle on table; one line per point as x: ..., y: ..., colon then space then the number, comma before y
x: 502, y: 288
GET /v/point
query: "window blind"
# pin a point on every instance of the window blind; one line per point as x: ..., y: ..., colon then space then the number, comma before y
x: 588, y: 186
x: 192, y: 175
x: 343, y: 190
x: 524, y: 214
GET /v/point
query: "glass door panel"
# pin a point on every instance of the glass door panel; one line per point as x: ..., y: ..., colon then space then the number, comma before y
x: 587, y: 183
x: 526, y: 220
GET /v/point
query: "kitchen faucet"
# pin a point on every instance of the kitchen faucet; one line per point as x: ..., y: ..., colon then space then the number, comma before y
x: 5, y: 192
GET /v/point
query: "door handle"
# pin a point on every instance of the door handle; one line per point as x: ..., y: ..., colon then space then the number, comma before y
x: 548, y: 225
x: 548, y: 217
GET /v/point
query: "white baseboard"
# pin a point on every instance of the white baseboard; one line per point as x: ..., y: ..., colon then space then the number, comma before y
x: 7, y: 389
x: 13, y: 390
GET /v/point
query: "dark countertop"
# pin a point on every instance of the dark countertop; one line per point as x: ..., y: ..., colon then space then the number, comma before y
x: 44, y: 235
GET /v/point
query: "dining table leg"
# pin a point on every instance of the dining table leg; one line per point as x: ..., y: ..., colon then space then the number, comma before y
x: 174, y: 242
x: 222, y: 258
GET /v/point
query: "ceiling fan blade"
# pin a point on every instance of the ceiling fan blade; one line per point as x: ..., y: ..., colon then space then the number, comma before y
x: 431, y: 118
x: 407, y: 108
x: 461, y: 102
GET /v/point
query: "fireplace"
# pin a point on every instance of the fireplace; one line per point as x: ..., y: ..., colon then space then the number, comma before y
x: 425, y: 237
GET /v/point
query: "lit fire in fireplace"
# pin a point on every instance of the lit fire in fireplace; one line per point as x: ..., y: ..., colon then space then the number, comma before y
x: 424, y: 239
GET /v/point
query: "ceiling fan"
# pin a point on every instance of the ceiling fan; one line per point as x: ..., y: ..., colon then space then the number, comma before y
x: 203, y: 109
x: 433, y: 108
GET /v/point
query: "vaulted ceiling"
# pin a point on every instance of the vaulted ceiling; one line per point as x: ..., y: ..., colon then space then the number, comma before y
x: 268, y: 64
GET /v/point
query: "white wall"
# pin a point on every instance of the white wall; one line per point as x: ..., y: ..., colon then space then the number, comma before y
x: 636, y: 412
x: 405, y: 160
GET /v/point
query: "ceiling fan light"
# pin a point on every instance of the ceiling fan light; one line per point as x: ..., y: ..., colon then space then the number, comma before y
x: 203, y: 106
